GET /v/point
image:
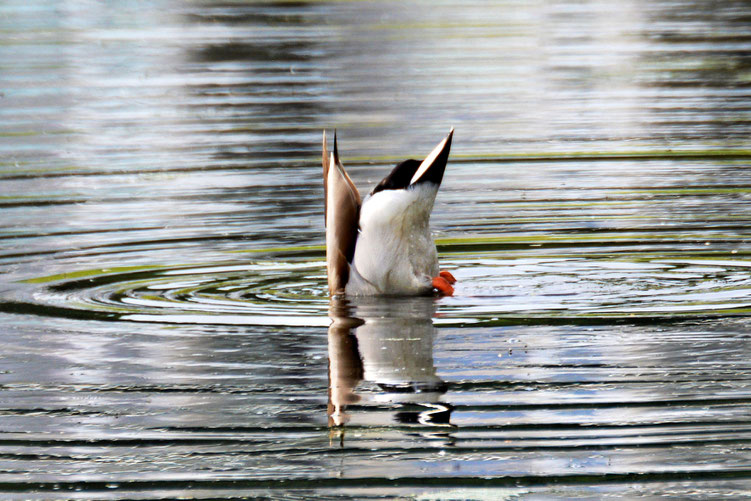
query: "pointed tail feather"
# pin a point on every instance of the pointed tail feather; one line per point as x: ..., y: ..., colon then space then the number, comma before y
x: 342, y: 213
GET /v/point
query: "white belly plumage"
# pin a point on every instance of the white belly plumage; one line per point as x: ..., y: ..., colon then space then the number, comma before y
x: 395, y: 252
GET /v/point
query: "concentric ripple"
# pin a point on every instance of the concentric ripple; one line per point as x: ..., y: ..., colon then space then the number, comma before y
x: 257, y: 293
x: 492, y: 288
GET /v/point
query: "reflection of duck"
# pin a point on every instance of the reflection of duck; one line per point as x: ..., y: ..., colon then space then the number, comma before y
x: 382, y: 245
x: 389, y: 343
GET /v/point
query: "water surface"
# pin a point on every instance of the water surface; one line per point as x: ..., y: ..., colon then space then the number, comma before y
x: 165, y: 329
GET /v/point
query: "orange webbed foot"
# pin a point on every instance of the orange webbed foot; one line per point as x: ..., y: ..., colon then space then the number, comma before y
x: 447, y: 276
x: 442, y: 286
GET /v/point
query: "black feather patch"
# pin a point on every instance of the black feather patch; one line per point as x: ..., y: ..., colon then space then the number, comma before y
x: 399, y: 177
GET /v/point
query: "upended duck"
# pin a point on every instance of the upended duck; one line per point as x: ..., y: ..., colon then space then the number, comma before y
x: 382, y: 245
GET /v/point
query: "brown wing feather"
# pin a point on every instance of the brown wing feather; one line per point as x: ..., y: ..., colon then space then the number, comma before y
x: 342, y: 213
x: 325, y: 178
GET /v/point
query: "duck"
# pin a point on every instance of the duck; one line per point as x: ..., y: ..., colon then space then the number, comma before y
x: 381, y: 245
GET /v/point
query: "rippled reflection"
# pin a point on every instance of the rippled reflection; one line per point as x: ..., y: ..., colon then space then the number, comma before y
x: 388, y: 342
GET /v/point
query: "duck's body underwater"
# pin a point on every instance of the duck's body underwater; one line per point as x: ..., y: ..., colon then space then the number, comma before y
x: 382, y: 245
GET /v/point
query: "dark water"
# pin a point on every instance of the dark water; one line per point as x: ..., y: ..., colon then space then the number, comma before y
x: 164, y: 324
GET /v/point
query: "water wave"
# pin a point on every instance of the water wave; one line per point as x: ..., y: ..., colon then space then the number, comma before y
x: 492, y: 288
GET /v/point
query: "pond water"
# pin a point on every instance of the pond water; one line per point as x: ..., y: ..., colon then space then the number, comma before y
x: 165, y: 328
